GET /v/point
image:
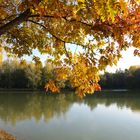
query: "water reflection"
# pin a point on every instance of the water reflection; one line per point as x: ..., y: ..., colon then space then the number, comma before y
x: 15, y: 107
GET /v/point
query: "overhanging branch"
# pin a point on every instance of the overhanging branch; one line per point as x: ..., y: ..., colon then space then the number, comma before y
x: 56, y: 37
x: 22, y: 17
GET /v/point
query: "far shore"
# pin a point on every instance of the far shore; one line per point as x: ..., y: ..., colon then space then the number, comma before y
x: 19, y: 89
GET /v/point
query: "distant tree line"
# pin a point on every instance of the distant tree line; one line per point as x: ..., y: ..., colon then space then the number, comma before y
x: 22, y: 75
x: 127, y: 79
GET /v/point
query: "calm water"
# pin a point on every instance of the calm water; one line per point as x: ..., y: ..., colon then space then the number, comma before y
x: 36, y: 116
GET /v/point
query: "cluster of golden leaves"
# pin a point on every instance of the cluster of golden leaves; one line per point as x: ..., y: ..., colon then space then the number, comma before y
x: 99, y: 29
x: 52, y: 86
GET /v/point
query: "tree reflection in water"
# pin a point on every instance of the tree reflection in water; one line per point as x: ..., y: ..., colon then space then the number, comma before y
x: 15, y: 107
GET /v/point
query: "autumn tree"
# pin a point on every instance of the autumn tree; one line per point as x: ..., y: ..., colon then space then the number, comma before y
x: 47, y: 72
x: 60, y: 28
x: 33, y: 74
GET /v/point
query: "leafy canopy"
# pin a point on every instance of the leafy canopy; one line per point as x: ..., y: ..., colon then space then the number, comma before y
x: 100, y: 28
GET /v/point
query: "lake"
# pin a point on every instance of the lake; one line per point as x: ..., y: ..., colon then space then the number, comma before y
x: 107, y: 115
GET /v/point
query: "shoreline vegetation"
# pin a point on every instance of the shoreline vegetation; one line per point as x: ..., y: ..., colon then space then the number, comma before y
x: 22, y: 76
x: 20, y: 89
x: 4, y: 135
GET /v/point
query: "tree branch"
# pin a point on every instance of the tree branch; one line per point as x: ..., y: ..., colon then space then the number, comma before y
x: 97, y: 26
x: 62, y: 17
x: 56, y: 37
x: 22, y: 17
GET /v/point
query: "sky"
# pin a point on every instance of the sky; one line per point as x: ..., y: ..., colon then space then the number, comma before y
x: 128, y: 60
